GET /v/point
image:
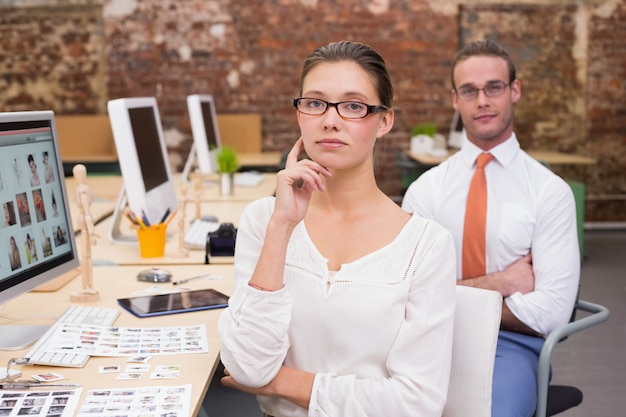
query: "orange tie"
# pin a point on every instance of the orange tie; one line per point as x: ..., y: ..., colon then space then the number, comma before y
x: 474, y: 237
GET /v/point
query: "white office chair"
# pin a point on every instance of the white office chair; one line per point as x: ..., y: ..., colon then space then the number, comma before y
x: 476, y: 326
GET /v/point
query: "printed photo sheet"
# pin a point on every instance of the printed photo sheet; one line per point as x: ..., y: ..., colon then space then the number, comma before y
x: 169, y: 401
x: 128, y: 341
x: 58, y: 403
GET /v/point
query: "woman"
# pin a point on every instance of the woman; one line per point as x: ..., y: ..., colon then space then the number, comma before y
x: 14, y: 255
x: 47, y: 168
x: 46, y: 246
x: 55, y: 210
x: 31, y: 250
x: 60, y: 237
x: 9, y: 214
x: 343, y: 303
x: 34, y: 179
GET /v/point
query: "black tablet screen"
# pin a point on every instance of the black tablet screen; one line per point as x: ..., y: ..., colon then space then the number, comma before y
x: 180, y: 302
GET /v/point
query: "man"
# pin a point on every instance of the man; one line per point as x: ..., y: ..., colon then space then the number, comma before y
x: 530, y: 249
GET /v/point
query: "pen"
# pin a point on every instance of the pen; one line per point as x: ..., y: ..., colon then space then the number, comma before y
x: 170, y: 218
x: 182, y: 281
x: 130, y: 216
x: 167, y: 213
x: 145, y: 218
x: 134, y: 219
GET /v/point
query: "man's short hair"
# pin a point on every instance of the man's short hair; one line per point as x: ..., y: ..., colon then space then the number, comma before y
x: 483, y: 48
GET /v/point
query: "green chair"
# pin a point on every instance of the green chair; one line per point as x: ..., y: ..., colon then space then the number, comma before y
x: 578, y: 188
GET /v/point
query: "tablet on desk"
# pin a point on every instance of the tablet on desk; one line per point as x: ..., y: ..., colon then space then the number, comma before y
x: 180, y: 302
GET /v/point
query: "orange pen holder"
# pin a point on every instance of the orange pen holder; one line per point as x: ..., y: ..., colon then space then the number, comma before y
x: 152, y: 241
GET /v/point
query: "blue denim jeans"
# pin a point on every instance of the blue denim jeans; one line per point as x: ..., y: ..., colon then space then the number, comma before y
x: 515, y: 375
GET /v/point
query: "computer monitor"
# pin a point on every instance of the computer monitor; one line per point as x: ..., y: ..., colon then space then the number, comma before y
x: 206, y: 135
x: 148, y: 187
x: 36, y: 236
x: 456, y: 136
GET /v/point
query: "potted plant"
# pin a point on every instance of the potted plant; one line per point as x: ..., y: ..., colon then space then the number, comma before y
x: 427, y: 129
x: 227, y: 165
x: 425, y: 139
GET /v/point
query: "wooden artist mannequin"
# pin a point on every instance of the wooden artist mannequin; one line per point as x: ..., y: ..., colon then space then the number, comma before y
x: 182, y: 251
x: 88, y: 237
x: 196, y: 179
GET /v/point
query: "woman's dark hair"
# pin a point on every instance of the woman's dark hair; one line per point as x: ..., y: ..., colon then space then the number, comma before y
x: 363, y: 55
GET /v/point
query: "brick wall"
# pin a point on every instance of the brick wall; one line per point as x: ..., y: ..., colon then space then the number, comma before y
x: 52, y: 58
x: 605, y: 115
x: 74, y: 55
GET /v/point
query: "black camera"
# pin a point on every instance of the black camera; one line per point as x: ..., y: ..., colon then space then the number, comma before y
x: 221, y: 242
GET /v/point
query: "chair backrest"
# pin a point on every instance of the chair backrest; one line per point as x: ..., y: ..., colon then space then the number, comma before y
x: 476, y: 326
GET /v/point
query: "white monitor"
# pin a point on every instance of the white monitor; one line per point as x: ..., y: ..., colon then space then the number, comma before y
x: 457, y: 132
x: 36, y: 236
x: 206, y: 135
x: 148, y: 187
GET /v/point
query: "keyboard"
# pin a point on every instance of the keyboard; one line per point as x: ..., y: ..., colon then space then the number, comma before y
x: 99, y: 316
x: 196, y: 235
x: 249, y: 179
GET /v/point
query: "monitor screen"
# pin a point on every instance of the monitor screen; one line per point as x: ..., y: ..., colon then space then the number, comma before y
x: 210, y: 128
x: 204, y: 127
x: 146, y: 134
x: 36, y: 236
x: 148, y: 186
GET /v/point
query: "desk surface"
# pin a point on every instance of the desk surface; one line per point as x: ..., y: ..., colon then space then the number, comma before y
x: 548, y: 157
x: 196, y: 369
x: 259, y: 159
x: 210, y: 190
x: 100, y: 210
x: 103, y: 187
x: 107, y: 188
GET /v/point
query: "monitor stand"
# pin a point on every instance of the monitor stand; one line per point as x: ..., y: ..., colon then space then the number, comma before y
x: 115, y: 233
x: 14, y: 337
x: 191, y: 165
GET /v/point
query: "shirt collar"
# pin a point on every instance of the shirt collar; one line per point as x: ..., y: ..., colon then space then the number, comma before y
x: 503, y: 153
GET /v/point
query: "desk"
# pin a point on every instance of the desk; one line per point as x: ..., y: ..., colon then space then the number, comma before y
x: 211, y: 191
x: 99, y: 209
x: 107, y: 187
x: 547, y: 157
x: 560, y: 158
x: 103, y: 187
x: 196, y: 369
x: 251, y: 160
x: 128, y: 253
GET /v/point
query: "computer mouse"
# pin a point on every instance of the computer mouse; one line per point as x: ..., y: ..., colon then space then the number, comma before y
x: 209, y: 218
x: 155, y: 275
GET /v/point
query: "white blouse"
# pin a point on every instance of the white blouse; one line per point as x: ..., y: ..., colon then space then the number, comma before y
x: 377, y: 333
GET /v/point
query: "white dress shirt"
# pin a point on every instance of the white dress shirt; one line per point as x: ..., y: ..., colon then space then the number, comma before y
x: 377, y: 333
x: 529, y: 210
